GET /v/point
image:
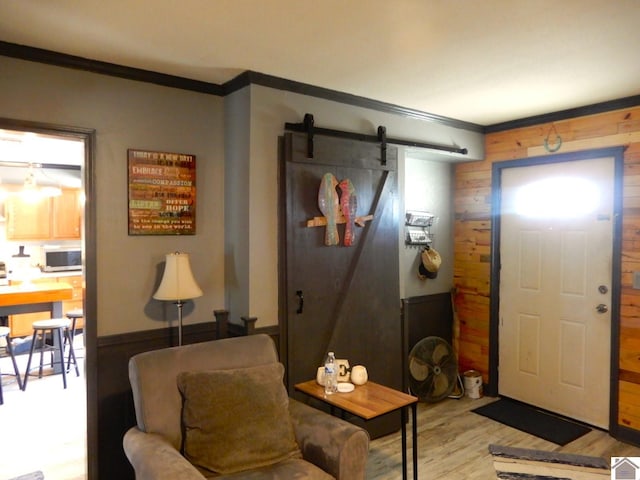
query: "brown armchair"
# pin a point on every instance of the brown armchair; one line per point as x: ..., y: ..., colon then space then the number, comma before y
x: 325, y: 447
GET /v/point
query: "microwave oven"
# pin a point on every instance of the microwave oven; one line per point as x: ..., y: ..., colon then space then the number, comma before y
x: 61, y: 259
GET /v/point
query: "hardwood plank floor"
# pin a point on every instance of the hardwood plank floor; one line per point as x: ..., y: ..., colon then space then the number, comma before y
x: 43, y: 428
x: 453, y: 444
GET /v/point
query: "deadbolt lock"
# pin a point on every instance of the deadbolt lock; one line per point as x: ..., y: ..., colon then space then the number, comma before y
x: 603, y: 289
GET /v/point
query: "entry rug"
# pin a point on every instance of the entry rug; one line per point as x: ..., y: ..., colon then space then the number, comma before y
x: 30, y: 476
x: 522, y: 463
x: 533, y: 421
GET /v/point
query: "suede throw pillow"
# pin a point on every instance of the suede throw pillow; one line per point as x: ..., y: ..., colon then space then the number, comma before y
x: 235, y: 420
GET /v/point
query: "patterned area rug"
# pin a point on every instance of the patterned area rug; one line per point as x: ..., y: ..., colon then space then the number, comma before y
x: 30, y: 476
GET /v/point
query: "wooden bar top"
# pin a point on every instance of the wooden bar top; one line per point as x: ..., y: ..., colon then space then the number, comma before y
x: 41, y: 292
x: 366, y: 401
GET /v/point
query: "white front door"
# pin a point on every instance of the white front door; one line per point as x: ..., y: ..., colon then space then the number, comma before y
x: 555, y: 283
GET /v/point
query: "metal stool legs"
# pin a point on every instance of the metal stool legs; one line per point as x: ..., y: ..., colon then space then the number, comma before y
x: 4, y: 332
x: 13, y: 360
x: 58, y: 328
x: 72, y: 353
x: 73, y: 316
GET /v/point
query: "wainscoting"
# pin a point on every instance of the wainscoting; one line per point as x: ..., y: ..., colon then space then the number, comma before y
x: 421, y: 316
x: 116, y: 413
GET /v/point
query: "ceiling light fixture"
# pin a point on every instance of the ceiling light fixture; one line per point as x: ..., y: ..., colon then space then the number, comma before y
x: 31, y: 192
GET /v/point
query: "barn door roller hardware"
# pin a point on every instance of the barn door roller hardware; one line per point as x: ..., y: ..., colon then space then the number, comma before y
x: 382, y: 138
x: 308, y: 126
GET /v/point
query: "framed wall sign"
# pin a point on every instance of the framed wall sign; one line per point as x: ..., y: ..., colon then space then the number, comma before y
x: 162, y: 193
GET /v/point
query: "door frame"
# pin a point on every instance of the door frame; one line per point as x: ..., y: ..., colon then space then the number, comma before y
x: 494, y: 301
x: 88, y: 137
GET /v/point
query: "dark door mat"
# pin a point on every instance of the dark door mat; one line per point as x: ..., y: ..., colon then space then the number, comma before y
x: 533, y: 421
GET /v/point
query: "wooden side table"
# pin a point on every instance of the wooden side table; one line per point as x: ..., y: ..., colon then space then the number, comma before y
x: 370, y: 401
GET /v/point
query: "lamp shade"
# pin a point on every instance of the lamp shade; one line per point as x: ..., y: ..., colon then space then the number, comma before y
x: 177, y: 281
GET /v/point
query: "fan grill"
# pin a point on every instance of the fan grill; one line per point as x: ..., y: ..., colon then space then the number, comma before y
x: 433, y: 369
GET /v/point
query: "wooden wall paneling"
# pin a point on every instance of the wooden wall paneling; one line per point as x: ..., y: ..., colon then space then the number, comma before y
x: 628, y: 414
x: 471, y: 250
x: 630, y: 350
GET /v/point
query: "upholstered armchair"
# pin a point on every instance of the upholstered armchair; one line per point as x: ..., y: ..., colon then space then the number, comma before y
x: 220, y: 409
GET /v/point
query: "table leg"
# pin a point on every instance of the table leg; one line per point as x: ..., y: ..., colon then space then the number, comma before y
x: 404, y: 442
x: 414, y: 419
x: 56, y: 310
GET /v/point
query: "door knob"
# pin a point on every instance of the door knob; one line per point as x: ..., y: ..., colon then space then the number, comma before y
x: 602, y: 308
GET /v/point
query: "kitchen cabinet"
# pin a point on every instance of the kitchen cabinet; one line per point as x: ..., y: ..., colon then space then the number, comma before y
x: 77, y: 282
x: 66, y: 215
x: 45, y: 218
x: 21, y: 324
x: 27, y: 219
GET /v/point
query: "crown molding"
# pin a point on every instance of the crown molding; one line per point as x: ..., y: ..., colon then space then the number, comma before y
x: 593, y: 109
x: 256, y: 78
x: 249, y: 77
x: 49, y: 57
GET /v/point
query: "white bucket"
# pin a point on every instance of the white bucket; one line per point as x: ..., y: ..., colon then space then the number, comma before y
x: 472, y: 383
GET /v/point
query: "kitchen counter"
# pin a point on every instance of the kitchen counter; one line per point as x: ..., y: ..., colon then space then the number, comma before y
x: 43, y: 276
x: 32, y: 298
x: 13, y: 298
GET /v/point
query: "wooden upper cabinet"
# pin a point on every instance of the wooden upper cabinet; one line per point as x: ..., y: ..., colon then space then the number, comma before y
x: 27, y: 220
x: 65, y: 219
x: 47, y: 218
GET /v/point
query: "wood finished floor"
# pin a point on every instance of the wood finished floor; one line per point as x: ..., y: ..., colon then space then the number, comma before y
x: 453, y: 444
x: 43, y: 429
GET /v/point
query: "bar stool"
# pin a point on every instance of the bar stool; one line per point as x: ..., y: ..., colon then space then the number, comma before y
x: 4, y: 333
x: 59, y: 329
x: 73, y: 316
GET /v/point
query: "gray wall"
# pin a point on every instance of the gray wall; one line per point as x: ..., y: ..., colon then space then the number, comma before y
x: 235, y: 250
x: 269, y: 110
x: 428, y: 187
x: 128, y: 114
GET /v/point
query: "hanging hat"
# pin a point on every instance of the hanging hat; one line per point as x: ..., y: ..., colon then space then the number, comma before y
x: 431, y: 260
x: 423, y: 273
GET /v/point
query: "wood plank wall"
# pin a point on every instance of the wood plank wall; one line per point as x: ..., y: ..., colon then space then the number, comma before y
x: 473, y: 237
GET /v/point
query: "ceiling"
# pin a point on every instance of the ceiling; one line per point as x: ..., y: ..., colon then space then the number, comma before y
x: 483, y: 62
x: 41, y: 154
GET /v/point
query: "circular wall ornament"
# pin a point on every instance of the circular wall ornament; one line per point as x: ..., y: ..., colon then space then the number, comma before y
x: 557, y: 143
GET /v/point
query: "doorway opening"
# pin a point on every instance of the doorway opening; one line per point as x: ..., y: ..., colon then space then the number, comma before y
x: 46, y: 186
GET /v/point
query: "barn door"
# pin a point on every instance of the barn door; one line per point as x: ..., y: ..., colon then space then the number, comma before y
x: 341, y: 298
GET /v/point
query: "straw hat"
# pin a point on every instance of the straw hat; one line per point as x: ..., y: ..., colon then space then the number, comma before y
x: 423, y: 273
x: 431, y: 260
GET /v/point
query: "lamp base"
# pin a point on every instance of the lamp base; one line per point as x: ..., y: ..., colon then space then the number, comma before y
x: 179, y: 304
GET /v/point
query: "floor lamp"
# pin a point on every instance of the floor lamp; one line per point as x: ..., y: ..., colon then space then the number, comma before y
x: 177, y: 284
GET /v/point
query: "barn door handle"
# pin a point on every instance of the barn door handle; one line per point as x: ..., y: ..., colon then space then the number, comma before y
x: 300, y: 301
